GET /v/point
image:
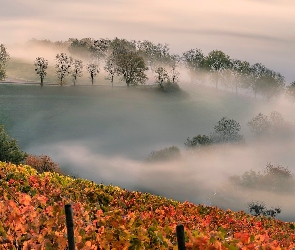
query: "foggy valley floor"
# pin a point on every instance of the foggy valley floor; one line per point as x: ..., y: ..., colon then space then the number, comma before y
x: 105, y: 134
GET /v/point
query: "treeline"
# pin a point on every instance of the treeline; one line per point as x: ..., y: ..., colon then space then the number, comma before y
x: 132, y: 62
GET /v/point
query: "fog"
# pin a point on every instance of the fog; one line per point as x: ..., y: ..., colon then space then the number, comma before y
x: 105, y: 134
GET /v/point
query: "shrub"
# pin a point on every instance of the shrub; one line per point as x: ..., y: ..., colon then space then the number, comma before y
x: 9, y: 150
x: 43, y: 163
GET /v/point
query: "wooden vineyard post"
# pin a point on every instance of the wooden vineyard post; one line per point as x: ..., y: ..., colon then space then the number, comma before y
x: 180, y: 237
x: 70, y: 226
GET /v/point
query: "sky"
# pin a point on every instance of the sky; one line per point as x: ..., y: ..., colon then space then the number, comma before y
x: 253, y: 30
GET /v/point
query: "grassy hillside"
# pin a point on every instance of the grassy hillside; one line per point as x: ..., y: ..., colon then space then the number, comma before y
x: 108, y: 217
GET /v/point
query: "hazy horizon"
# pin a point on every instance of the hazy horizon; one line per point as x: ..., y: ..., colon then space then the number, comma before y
x: 256, y: 31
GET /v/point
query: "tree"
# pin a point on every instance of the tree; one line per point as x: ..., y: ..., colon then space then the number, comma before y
x: 257, y: 71
x: 42, y: 163
x: 4, y: 58
x: 10, y: 151
x: 155, y: 55
x: 110, y: 69
x: 194, y: 61
x: 270, y: 83
x: 274, y: 125
x: 216, y: 62
x: 99, y: 49
x: 128, y: 63
x: 197, y: 142
x: 149, y: 51
x: 77, y: 69
x: 131, y: 67
x: 227, y: 131
x: 259, y: 125
x: 173, y: 63
x: 80, y: 48
x: 164, y: 154
x: 161, y: 76
x: 290, y: 90
x: 63, y: 66
x: 274, y: 178
x: 279, y: 126
x: 239, y: 72
x: 258, y: 208
x: 40, y: 67
x: 93, y: 70
x: 119, y: 47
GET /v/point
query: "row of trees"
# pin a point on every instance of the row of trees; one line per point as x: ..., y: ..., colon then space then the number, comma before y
x: 132, y: 61
x: 65, y: 65
x: 119, y: 58
x: 231, y: 73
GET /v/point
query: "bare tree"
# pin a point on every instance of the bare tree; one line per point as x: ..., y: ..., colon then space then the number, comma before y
x: 41, y: 65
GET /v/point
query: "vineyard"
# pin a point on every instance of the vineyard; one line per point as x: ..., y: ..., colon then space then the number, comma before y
x: 32, y: 216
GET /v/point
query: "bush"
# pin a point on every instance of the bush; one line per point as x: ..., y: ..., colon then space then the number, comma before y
x: 42, y: 163
x: 164, y: 154
x: 258, y: 208
x: 9, y: 150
